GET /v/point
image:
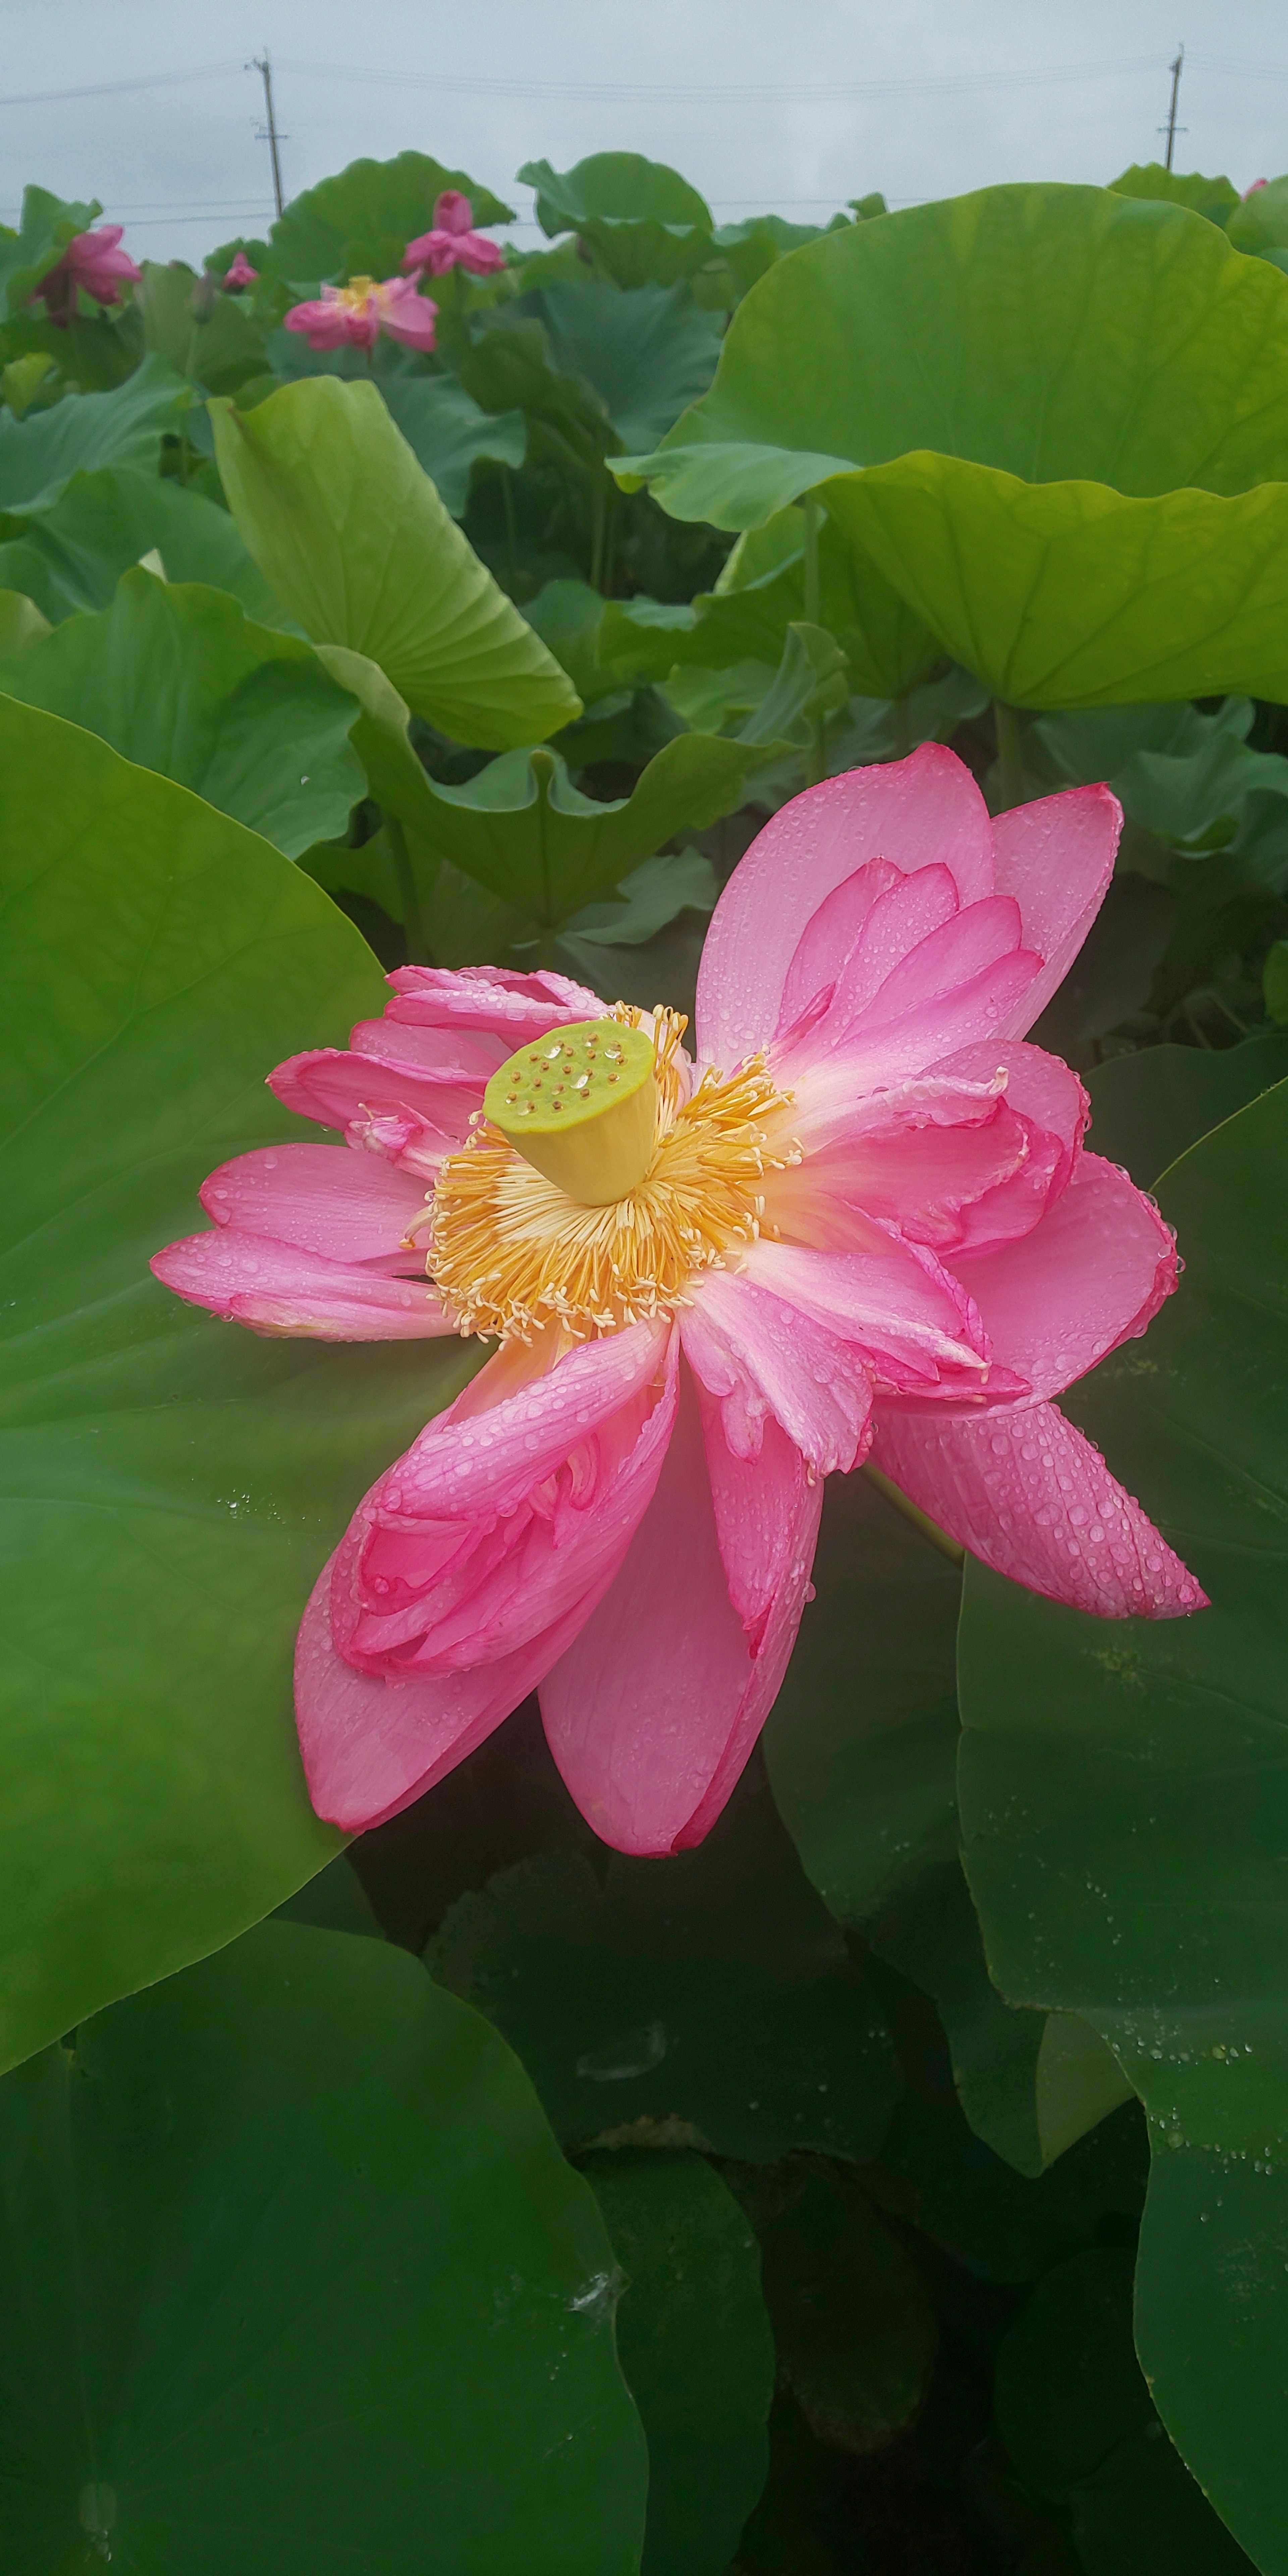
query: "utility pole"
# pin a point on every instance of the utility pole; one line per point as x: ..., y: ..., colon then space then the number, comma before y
x: 268, y: 132
x: 1172, y: 128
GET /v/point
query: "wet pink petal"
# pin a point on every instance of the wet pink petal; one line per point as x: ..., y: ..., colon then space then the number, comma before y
x: 452, y: 242
x: 1092, y: 1274
x: 891, y: 1045
x: 274, y: 1288
x: 93, y: 263
x: 766, y: 1513
x: 651, y: 1713
x: 490, y: 998
x: 898, y: 926
x: 405, y: 314
x: 766, y: 1362
x: 348, y: 1207
x: 1028, y: 1495
x: 914, y: 1323
x: 327, y: 323
x: 502, y: 1516
x: 1056, y: 857
x: 408, y: 1117
x: 914, y: 813
x: 830, y: 936
x: 370, y: 1746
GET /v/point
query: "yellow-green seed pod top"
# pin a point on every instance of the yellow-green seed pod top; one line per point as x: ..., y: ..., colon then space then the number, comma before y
x: 581, y: 1105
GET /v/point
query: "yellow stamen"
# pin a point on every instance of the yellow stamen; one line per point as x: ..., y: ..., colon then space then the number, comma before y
x: 512, y: 1251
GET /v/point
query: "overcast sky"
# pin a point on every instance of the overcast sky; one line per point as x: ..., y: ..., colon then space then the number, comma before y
x: 793, y: 104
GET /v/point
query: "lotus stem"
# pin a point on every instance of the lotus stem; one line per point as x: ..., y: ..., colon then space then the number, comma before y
x: 920, y: 1520
x: 418, y: 948
x: 1010, y: 756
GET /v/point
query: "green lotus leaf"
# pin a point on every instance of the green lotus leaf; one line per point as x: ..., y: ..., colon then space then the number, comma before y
x: 861, y: 1749
x: 1215, y: 198
x: 445, y: 429
x: 360, y: 222
x: 1148, y: 1109
x: 1056, y: 418
x: 1075, y: 2415
x: 641, y: 355
x: 644, y: 224
x: 705, y: 2000
x: 1259, y: 224
x: 39, y: 455
x: 73, y: 554
x: 176, y: 678
x: 294, y: 2275
x: 522, y: 829
x: 695, y: 2348
x: 1123, y: 1803
x: 174, y: 1483
x: 353, y: 537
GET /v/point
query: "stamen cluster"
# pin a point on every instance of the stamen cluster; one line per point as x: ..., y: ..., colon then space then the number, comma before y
x: 511, y: 1253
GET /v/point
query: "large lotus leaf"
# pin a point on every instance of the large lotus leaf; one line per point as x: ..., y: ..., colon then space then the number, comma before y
x: 747, y: 249
x: 695, y: 2348
x: 212, y: 339
x: 354, y: 539
x: 176, y: 678
x: 1049, y: 367
x: 705, y: 2000
x: 1075, y: 2415
x: 360, y: 222
x: 72, y: 555
x: 175, y: 1483
x: 445, y: 429
x: 644, y: 224
x: 1147, y: 1109
x: 862, y: 1742
x: 295, y: 2276
x: 861, y: 1749
x: 1006, y: 2226
x: 1259, y: 224
x: 645, y: 354
x: 1055, y: 333
x: 1123, y: 1800
x: 83, y: 431
x: 521, y: 827
x: 765, y: 585
x: 1215, y: 198
x: 1177, y: 774
x: 1071, y: 595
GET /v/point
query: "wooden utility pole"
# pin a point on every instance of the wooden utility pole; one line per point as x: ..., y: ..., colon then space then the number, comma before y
x: 269, y: 135
x: 1172, y: 128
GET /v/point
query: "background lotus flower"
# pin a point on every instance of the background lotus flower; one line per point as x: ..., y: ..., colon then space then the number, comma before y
x: 452, y: 243
x: 869, y: 1225
x: 238, y: 273
x: 354, y: 316
x: 94, y: 263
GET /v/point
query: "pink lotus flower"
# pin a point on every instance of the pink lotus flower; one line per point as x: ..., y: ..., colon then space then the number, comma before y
x: 354, y: 316
x: 92, y: 262
x: 861, y: 1223
x: 238, y: 273
x: 1252, y: 191
x: 452, y: 243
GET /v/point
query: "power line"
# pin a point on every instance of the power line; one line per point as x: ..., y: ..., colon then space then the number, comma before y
x: 114, y: 89
x: 742, y: 93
